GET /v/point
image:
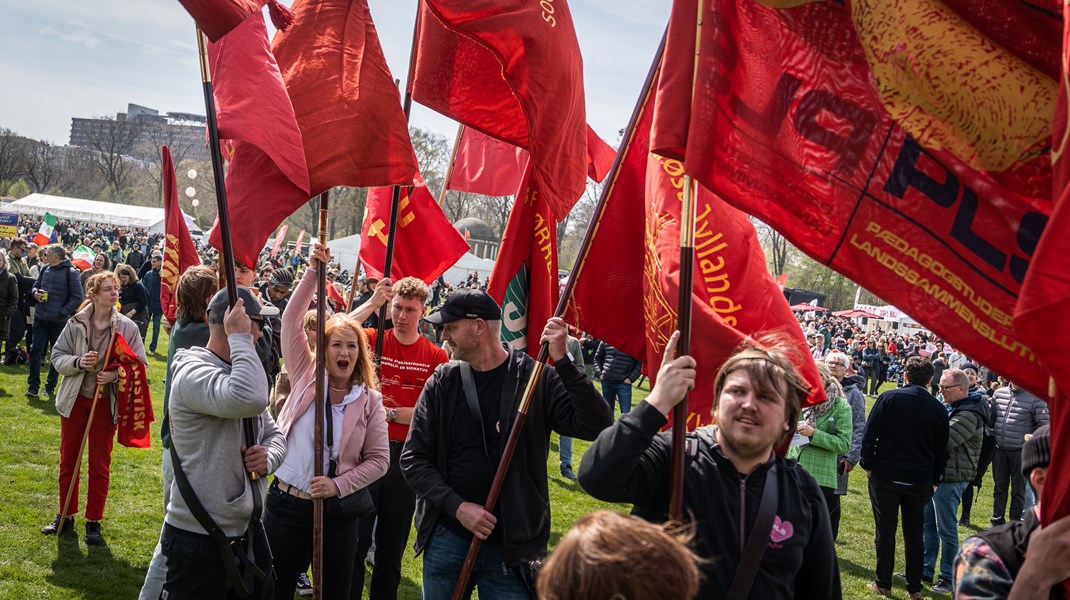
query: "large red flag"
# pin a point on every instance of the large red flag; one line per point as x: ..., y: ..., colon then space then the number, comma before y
x: 134, y: 397
x: 426, y: 244
x: 179, y: 253
x: 1043, y: 313
x: 801, y: 118
x: 634, y: 254
x: 217, y: 17
x: 511, y: 69
x: 344, y: 98
x: 267, y: 179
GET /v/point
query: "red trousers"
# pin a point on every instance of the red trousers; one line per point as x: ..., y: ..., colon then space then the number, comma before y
x: 101, y: 437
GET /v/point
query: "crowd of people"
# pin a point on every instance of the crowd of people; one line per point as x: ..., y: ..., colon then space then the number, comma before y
x: 416, y: 439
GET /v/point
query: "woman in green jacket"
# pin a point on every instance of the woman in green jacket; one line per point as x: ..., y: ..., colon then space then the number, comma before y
x: 826, y: 429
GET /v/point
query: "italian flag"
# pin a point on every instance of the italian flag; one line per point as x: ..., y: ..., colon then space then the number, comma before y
x: 45, y: 234
x: 83, y: 258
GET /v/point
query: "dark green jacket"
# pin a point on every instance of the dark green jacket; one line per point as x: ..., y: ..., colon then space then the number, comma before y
x: 965, y: 434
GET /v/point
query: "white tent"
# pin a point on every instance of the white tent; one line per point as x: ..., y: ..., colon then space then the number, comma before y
x: 346, y: 250
x: 95, y: 211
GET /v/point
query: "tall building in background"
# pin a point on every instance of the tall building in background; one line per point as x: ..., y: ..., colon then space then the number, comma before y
x: 141, y: 130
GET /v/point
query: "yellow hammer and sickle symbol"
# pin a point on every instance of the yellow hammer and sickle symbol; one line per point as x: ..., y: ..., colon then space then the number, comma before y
x: 378, y: 228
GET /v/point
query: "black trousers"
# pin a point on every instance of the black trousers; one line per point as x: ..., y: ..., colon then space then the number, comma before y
x: 195, y: 568
x: 833, y: 503
x: 395, y: 503
x: 288, y: 521
x: 888, y: 500
x: 1007, y: 472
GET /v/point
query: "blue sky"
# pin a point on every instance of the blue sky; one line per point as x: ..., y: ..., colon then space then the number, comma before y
x: 79, y: 58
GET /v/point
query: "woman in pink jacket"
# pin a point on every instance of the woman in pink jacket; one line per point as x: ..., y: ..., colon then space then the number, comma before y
x: 358, y: 454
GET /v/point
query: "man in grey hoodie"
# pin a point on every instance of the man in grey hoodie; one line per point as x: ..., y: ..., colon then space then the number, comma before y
x: 213, y: 389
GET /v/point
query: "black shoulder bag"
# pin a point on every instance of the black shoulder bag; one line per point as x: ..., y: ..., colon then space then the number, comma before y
x: 351, y: 506
x: 237, y: 553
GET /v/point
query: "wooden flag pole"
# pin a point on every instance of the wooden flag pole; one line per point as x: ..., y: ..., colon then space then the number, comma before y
x: 226, y: 260
x: 540, y: 362
x: 85, y: 436
x: 395, y: 199
x: 449, y: 169
x: 321, y: 410
x: 685, y: 300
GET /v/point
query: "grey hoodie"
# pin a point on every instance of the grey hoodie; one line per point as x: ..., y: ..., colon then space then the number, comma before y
x: 208, y: 400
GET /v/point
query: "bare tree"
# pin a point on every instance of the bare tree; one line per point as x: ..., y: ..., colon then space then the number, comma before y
x: 10, y: 155
x: 41, y: 162
x: 112, y: 141
x: 162, y: 134
x: 776, y: 246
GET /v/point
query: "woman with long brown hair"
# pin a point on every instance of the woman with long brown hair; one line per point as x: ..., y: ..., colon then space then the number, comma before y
x: 356, y: 451
x: 79, y: 355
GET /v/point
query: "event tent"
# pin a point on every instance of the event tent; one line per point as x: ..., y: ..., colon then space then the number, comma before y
x: 346, y: 249
x: 95, y: 211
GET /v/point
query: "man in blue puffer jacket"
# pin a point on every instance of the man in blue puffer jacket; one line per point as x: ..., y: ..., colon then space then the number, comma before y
x: 58, y: 292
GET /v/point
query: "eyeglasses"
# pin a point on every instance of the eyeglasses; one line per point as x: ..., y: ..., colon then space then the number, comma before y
x: 945, y: 388
x: 831, y: 364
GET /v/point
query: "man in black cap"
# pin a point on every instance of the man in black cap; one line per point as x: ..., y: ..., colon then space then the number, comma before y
x: 458, y: 432
x: 1018, y: 559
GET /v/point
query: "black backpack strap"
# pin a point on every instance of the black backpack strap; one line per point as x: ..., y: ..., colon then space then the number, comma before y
x: 758, y: 538
x: 471, y: 395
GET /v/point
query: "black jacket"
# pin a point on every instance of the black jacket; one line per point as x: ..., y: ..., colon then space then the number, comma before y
x: 906, y: 437
x: 629, y: 462
x: 565, y: 401
x: 613, y: 366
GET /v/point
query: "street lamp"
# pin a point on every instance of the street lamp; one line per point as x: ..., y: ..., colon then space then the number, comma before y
x: 191, y: 192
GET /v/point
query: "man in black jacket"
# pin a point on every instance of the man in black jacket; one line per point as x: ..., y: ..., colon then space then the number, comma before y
x: 904, y: 451
x: 455, y: 444
x: 728, y: 468
x: 617, y: 371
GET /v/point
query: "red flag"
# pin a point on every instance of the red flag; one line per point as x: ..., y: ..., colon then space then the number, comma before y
x: 336, y: 298
x: 134, y: 397
x: 511, y: 69
x: 524, y: 280
x: 179, y: 253
x: 805, y: 124
x: 344, y: 97
x: 280, y: 237
x: 217, y: 17
x: 421, y: 226
x: 267, y: 179
x: 1043, y: 312
x: 297, y: 246
x: 635, y: 253
x: 487, y: 165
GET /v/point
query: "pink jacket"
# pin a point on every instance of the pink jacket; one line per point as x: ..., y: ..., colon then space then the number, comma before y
x: 365, y: 451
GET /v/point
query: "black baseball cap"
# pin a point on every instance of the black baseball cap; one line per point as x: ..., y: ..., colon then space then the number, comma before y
x: 253, y: 307
x: 466, y: 303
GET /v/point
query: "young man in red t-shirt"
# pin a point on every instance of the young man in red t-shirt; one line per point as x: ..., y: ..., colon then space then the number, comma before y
x: 408, y: 360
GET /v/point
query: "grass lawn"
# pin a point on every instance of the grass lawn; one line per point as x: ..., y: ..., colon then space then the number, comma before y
x: 37, y: 566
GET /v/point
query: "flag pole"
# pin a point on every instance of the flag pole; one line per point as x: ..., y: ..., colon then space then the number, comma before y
x: 684, y: 304
x: 449, y: 169
x: 226, y: 261
x: 322, y: 398
x: 544, y: 352
x: 395, y: 198
x: 77, y: 473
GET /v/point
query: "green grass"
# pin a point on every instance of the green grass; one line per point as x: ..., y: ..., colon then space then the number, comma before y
x: 36, y: 566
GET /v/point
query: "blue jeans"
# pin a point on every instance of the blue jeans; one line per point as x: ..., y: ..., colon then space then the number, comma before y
x: 45, y: 333
x: 621, y: 392
x: 443, y: 558
x: 941, y: 532
x: 155, y: 320
x: 1030, y: 498
x: 564, y: 450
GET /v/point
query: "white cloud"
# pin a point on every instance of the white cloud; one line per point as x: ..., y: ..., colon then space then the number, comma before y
x: 79, y: 36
